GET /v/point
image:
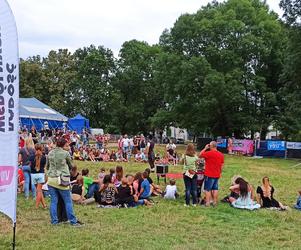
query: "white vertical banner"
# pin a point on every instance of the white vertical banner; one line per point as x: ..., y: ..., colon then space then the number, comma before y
x: 9, y: 111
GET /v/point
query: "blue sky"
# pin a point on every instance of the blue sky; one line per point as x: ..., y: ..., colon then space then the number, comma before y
x: 52, y: 24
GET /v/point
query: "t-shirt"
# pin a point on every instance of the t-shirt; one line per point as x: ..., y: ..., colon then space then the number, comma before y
x: 73, y: 178
x: 77, y: 189
x: 87, y: 182
x: 125, y: 142
x: 146, y: 188
x: 214, y: 161
x: 170, y: 192
x: 26, y: 154
x: 123, y: 192
x: 32, y: 161
x: 108, y: 195
x: 150, y: 180
x: 189, y: 163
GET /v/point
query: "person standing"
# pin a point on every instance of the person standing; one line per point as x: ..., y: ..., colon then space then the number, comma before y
x: 214, y: 161
x: 37, y: 165
x: 58, y: 164
x: 189, y: 175
x: 24, y: 155
x: 150, y: 153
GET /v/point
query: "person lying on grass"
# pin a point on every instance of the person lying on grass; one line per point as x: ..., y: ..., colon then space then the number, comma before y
x: 265, y: 197
x: 246, y: 195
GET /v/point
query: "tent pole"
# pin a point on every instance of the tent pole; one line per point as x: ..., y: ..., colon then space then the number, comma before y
x: 14, y: 236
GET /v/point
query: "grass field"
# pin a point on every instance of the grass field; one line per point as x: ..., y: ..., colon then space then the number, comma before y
x: 168, y: 224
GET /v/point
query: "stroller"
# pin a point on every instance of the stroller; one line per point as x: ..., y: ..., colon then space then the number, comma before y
x: 200, y: 179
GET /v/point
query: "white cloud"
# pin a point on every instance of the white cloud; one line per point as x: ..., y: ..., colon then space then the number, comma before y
x: 51, y: 24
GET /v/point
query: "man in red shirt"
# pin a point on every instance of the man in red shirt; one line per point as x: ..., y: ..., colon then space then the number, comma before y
x: 214, y: 161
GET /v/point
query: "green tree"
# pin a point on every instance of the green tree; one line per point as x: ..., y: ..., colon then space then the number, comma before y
x: 91, y: 91
x: 138, y: 94
x: 289, y: 120
x: 32, y: 78
x: 241, y: 44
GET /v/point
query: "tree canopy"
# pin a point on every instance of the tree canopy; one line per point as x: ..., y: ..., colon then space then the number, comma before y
x: 231, y: 68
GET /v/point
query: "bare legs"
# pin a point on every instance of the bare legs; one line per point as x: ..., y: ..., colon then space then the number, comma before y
x: 40, y: 197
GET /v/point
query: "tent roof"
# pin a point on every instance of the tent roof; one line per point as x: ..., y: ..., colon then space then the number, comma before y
x: 34, y: 109
x: 79, y: 117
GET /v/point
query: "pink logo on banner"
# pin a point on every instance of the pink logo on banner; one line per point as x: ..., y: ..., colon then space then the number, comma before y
x: 244, y: 146
x: 6, y: 175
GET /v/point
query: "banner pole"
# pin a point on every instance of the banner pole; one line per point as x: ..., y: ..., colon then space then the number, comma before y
x: 14, y: 236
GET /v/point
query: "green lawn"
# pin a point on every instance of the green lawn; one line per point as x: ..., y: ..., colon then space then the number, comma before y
x: 168, y: 224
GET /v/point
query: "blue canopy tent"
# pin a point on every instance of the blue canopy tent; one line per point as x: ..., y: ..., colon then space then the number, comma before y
x: 78, y: 123
x: 34, y: 112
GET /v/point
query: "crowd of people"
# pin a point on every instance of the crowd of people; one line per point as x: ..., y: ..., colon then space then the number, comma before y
x: 48, y: 169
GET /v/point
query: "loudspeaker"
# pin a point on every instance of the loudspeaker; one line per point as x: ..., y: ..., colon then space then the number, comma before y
x: 161, y: 169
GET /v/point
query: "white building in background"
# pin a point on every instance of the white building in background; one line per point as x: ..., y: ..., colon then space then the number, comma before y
x: 273, y: 133
x: 177, y: 133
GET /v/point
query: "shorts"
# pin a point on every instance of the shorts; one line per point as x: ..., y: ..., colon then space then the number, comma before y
x: 38, y: 178
x: 211, y: 183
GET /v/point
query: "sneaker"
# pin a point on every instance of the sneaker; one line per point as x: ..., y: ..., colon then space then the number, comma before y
x: 194, y: 205
x: 185, y: 205
x: 77, y: 224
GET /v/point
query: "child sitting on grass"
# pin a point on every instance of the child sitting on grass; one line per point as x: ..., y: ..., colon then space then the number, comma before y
x: 91, y: 186
x: 145, y: 190
x: 101, y: 175
x: 298, y: 204
x: 125, y: 196
x: 171, y: 190
x: 107, y: 192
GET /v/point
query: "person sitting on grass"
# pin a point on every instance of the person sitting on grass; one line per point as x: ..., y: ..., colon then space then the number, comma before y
x: 125, y: 196
x: 234, y: 194
x: 155, y: 189
x: 139, y: 157
x: 83, y: 153
x: 137, y: 182
x: 73, y: 174
x: 113, y: 156
x: 112, y: 173
x: 107, y: 192
x: 91, y: 186
x: 171, y: 190
x: 78, y: 192
x: 77, y: 156
x: 117, y: 178
x: 145, y: 190
x: 298, y: 204
x: 246, y: 195
x: 91, y: 155
x: 265, y: 196
x: 101, y: 175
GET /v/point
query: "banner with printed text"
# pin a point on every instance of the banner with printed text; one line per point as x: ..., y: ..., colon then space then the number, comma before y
x: 276, y: 145
x: 9, y: 113
x: 293, y: 145
x: 243, y: 146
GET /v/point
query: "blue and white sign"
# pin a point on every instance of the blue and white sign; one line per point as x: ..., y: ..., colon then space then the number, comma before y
x: 222, y: 143
x: 276, y: 145
x: 293, y: 145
